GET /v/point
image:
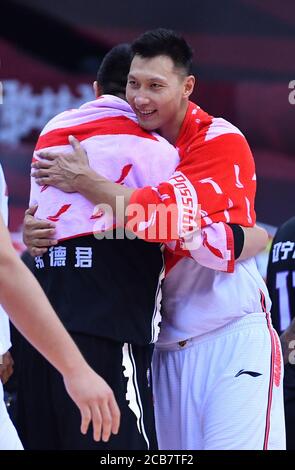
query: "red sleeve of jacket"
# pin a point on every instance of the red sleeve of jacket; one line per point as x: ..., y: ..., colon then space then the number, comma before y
x: 214, y: 182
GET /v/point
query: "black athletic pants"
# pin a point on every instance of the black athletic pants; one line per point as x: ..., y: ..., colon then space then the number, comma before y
x: 48, y: 419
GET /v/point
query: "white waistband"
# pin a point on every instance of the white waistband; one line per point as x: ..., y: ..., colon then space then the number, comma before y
x: 243, y: 322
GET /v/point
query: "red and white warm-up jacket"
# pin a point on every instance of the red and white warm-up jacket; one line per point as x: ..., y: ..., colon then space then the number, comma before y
x: 215, y: 182
x: 216, y: 174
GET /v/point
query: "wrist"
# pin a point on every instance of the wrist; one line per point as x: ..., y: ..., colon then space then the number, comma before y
x: 83, y: 179
x: 73, y: 367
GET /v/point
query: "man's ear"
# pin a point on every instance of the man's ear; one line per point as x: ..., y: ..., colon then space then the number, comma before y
x: 97, y: 89
x: 189, y: 85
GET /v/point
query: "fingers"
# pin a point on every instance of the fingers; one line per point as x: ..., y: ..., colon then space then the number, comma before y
x: 110, y: 415
x: 105, y: 419
x: 48, y: 155
x: 43, y: 243
x: 80, y: 153
x: 39, y: 246
x: 42, y: 237
x: 31, y: 210
x: 37, y: 235
x: 35, y: 224
x: 74, y: 142
x: 44, y: 181
x: 85, y: 419
x: 94, y: 415
x: 96, y: 402
x: 37, y: 251
x: 40, y: 173
x: 44, y: 177
x: 116, y: 415
x: 97, y: 422
x: 41, y: 164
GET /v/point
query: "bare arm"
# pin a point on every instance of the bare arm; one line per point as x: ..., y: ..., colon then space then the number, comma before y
x: 31, y: 313
x: 97, y: 189
x: 256, y: 239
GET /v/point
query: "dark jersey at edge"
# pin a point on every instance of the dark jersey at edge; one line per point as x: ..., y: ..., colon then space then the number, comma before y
x: 281, y: 276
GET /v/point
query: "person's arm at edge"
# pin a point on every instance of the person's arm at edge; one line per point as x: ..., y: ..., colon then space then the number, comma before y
x: 30, y: 311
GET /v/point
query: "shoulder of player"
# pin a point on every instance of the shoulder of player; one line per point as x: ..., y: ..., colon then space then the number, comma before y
x: 60, y: 120
x: 204, y: 128
x: 103, y: 107
x: 210, y: 128
x: 286, y: 231
x: 218, y: 127
x: 217, y: 134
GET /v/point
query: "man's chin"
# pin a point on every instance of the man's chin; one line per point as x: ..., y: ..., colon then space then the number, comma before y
x: 147, y: 126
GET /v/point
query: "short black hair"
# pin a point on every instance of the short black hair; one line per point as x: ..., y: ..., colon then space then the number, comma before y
x: 113, y: 71
x: 162, y: 41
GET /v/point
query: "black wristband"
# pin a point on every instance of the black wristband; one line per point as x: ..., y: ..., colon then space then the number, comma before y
x: 239, y: 239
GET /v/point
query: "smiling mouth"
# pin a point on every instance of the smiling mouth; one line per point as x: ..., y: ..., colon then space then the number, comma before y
x: 145, y: 114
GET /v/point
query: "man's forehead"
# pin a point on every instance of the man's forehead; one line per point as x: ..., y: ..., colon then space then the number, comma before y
x: 152, y: 67
x: 160, y: 63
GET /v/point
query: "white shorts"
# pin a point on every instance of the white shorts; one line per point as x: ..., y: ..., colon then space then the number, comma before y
x: 222, y: 390
x: 9, y: 439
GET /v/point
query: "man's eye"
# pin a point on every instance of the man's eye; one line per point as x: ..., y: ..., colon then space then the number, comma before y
x: 132, y: 82
x: 156, y: 85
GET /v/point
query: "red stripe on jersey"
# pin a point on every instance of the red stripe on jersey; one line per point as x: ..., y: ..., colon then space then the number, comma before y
x: 106, y: 126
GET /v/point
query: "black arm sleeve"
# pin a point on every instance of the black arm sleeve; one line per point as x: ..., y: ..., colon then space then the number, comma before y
x: 239, y: 239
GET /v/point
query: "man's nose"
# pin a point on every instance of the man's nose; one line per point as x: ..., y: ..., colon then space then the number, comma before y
x: 141, y: 99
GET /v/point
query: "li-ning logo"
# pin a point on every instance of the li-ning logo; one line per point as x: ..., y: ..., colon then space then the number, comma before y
x: 124, y: 173
x: 248, y: 372
x: 62, y: 210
